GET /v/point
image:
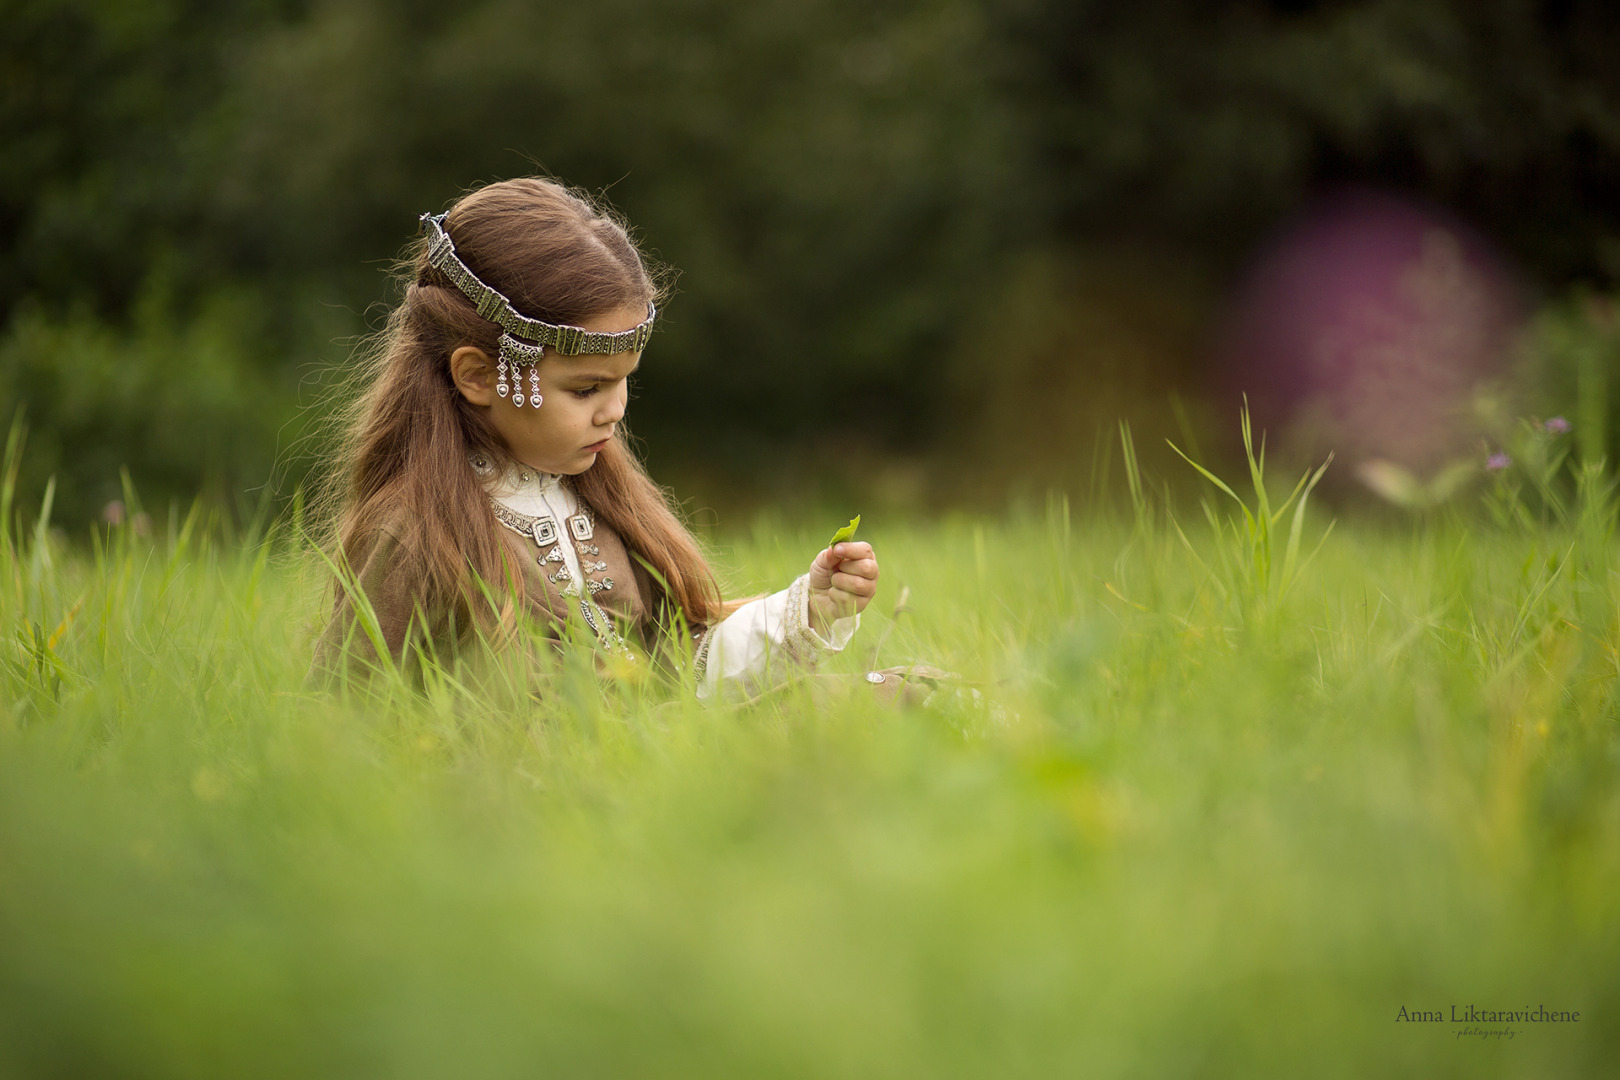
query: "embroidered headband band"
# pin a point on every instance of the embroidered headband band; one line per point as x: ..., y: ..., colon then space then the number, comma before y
x: 524, y: 340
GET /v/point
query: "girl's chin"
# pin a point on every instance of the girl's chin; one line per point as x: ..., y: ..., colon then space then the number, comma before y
x: 580, y: 464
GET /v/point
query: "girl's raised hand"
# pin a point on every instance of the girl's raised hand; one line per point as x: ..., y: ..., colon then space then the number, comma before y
x: 843, y: 580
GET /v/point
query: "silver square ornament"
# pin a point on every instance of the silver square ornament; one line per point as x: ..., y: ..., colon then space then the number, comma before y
x: 580, y: 526
x: 545, y: 531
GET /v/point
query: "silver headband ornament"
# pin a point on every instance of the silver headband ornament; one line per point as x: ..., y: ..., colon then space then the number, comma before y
x: 524, y: 340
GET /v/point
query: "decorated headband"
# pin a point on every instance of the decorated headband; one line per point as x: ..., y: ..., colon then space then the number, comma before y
x: 524, y: 340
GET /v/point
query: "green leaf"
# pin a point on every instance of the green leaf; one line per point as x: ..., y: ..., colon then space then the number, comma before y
x: 847, y: 532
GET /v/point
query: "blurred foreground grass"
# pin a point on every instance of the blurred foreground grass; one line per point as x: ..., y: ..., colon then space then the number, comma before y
x: 1215, y: 821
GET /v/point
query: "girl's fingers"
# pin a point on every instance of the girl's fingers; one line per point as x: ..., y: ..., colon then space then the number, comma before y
x: 854, y: 586
x: 852, y: 549
x: 866, y: 568
x: 854, y: 560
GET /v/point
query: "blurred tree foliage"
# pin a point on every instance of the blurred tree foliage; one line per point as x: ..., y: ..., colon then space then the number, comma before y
x: 846, y: 188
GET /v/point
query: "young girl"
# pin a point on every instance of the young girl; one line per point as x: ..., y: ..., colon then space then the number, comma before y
x: 486, y: 458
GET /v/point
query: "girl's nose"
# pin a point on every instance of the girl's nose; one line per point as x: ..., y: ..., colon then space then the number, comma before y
x: 613, y: 410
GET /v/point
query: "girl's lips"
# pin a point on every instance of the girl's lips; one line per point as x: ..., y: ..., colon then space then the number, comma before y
x: 597, y: 448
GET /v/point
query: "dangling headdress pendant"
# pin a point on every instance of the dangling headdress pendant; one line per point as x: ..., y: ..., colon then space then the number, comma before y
x: 524, y: 340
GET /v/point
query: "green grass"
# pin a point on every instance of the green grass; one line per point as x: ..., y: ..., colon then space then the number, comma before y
x: 1231, y: 808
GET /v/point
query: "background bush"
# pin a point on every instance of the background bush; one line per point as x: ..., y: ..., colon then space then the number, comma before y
x: 849, y: 192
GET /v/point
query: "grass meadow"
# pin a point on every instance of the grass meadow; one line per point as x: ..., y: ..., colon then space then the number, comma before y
x: 1237, y: 790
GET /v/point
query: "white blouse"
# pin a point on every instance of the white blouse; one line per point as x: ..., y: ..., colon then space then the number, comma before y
x: 756, y: 646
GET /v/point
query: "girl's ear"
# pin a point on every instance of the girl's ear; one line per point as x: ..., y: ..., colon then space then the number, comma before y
x: 474, y: 375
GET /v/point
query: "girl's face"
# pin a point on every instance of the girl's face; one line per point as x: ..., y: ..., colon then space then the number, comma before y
x: 583, y: 399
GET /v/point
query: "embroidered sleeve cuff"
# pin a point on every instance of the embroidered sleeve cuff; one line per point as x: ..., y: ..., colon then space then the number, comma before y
x: 700, y: 658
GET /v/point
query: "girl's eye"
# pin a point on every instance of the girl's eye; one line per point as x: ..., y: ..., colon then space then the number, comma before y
x: 589, y: 391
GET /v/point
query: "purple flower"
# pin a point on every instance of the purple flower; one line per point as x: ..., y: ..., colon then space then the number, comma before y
x: 1557, y: 425
x: 1497, y: 462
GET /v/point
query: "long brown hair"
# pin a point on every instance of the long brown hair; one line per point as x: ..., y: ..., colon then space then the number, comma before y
x: 401, y: 462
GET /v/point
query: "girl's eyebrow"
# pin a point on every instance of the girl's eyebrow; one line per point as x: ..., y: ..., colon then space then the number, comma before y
x: 596, y: 377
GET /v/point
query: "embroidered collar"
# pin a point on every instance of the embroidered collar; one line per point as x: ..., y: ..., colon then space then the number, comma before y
x: 515, y: 479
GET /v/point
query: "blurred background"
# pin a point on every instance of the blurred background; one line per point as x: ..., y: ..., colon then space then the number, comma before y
x: 928, y: 254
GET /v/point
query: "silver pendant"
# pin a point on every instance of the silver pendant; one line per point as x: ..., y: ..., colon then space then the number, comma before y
x: 580, y: 526
x: 545, y: 531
